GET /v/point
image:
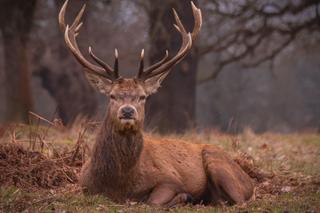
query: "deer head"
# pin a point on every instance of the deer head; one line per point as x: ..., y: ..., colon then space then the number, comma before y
x: 127, y: 96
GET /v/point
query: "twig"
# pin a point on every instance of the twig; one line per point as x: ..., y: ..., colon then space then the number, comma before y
x: 79, y: 143
x: 13, y: 134
x: 41, y: 118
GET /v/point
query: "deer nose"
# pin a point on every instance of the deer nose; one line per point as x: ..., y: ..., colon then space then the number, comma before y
x: 127, y: 112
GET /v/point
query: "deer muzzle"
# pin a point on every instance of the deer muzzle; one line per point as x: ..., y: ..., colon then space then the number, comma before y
x: 127, y: 114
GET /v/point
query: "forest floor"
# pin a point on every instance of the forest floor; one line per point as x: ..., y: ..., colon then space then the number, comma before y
x: 39, y: 167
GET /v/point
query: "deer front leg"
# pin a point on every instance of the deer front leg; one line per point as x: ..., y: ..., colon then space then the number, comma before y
x: 180, y: 199
x: 167, y: 196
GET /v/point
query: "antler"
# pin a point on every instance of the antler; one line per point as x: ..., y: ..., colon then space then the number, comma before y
x: 163, y: 66
x: 70, y: 35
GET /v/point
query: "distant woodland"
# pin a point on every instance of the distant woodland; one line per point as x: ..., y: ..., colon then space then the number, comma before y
x: 256, y: 63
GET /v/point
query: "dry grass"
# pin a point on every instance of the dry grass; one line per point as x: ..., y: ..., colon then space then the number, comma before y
x: 39, y: 167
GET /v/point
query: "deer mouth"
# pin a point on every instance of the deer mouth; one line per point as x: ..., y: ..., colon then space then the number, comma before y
x: 127, y: 121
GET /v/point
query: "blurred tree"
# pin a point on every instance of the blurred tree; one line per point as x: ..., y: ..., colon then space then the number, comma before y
x: 62, y: 76
x: 172, y: 109
x: 243, y: 35
x: 247, y: 32
x: 15, y: 24
x: 254, y: 31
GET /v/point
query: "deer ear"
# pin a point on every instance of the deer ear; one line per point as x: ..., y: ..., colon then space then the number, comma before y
x: 101, y: 84
x: 152, y: 84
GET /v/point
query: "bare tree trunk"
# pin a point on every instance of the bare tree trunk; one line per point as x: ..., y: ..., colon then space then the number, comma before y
x: 172, y: 109
x: 15, y: 22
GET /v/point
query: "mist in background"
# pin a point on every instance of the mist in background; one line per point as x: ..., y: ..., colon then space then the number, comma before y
x: 255, y: 64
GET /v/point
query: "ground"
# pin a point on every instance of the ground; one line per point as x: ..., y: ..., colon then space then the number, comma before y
x: 39, y: 167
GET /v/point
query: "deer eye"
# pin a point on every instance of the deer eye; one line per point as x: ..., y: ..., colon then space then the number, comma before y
x: 112, y: 97
x: 142, y: 98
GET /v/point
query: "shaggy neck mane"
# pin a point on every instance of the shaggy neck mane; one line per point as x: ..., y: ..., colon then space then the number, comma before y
x: 114, y: 157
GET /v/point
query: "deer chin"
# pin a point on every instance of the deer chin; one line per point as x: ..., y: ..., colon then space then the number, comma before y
x: 127, y: 122
x: 128, y: 125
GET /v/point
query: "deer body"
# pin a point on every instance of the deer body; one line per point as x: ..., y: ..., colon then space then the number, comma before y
x: 155, y: 163
x: 126, y: 164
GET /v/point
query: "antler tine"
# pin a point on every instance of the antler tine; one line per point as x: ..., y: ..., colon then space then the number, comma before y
x: 156, y: 65
x: 143, y: 73
x: 76, y: 23
x: 77, y: 20
x: 70, y: 34
x: 197, y: 20
x: 116, y: 64
x: 181, y: 54
x: 163, y: 67
x: 141, y: 66
x: 62, y: 15
x: 179, y: 26
x: 75, y: 51
x: 108, y: 69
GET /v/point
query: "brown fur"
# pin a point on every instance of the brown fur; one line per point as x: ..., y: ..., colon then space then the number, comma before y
x: 125, y: 164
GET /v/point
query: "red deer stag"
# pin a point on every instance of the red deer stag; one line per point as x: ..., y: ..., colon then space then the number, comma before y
x: 127, y: 165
